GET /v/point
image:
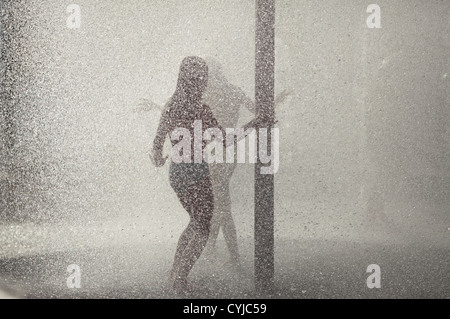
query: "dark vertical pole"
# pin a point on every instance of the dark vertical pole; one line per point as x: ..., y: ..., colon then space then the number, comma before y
x: 264, y: 187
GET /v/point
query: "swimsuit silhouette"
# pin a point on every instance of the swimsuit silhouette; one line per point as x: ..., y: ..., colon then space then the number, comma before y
x: 225, y: 101
x: 191, y: 181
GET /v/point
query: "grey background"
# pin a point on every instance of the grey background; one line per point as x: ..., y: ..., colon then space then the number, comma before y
x: 365, y: 139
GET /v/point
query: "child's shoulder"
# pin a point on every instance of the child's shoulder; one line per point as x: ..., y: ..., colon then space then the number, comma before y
x: 206, y: 108
x: 208, y: 115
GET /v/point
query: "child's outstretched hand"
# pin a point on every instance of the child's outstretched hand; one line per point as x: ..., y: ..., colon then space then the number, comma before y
x: 281, y: 97
x: 146, y: 105
x: 264, y: 121
x: 157, y: 159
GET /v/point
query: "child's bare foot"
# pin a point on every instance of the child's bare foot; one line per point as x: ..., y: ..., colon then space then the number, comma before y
x: 181, y: 287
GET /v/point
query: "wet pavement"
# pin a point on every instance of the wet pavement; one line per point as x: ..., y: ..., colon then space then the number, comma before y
x: 304, y: 269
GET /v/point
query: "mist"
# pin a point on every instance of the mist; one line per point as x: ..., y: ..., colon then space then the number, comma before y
x: 364, y: 142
